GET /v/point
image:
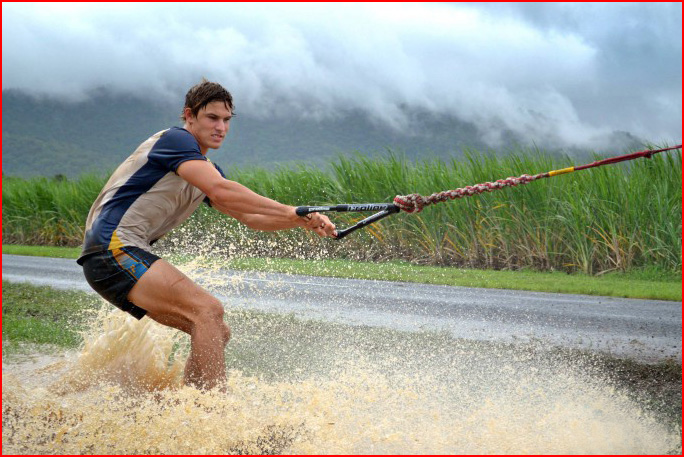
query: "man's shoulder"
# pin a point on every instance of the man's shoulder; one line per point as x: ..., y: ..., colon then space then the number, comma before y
x: 177, y: 138
x: 173, y: 147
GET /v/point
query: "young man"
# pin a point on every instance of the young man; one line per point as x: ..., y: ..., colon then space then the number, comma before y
x: 153, y: 191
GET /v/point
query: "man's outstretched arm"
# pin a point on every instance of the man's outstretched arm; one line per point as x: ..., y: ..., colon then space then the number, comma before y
x: 261, y: 222
x: 250, y: 208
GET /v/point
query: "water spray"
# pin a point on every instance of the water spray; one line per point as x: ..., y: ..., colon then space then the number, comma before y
x: 414, y: 203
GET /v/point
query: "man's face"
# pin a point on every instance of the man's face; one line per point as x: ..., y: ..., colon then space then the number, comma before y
x: 210, y: 126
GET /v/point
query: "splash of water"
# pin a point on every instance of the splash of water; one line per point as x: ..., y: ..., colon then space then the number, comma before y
x: 121, y: 393
x: 133, y: 354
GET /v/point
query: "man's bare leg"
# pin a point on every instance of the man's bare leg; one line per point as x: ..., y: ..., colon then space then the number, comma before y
x: 173, y: 299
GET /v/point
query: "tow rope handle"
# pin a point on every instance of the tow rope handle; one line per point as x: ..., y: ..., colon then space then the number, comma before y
x: 383, y: 210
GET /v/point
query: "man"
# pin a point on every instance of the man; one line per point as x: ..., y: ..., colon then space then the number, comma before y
x: 153, y: 191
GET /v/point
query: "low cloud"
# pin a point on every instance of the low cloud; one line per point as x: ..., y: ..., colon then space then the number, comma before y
x: 567, y: 73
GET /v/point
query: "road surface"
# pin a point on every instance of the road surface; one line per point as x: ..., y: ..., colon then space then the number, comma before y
x: 646, y: 330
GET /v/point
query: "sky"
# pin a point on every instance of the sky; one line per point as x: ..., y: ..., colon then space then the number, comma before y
x: 570, y: 73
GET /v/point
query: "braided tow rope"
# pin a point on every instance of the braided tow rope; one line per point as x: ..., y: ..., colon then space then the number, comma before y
x: 414, y: 203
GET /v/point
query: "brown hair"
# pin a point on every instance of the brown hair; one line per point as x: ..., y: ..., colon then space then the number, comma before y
x: 204, y: 93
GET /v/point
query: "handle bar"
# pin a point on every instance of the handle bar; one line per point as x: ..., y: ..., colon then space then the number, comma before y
x: 383, y: 210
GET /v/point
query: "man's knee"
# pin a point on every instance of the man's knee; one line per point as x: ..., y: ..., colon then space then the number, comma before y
x: 209, y: 310
x: 210, y: 313
x: 212, y: 316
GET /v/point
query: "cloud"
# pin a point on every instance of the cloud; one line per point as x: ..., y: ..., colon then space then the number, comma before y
x: 568, y: 73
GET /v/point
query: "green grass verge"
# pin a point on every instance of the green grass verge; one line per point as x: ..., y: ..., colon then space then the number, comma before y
x: 42, y: 251
x: 646, y: 284
x: 42, y: 315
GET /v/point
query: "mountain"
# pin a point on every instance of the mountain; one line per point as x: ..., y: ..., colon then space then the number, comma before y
x: 45, y: 136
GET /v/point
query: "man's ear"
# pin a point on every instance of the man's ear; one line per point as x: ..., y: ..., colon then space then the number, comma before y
x: 187, y: 112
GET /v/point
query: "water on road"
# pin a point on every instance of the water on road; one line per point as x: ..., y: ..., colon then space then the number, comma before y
x: 307, y: 386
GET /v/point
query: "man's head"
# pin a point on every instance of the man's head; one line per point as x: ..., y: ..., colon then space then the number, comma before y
x: 204, y: 93
x: 207, y: 113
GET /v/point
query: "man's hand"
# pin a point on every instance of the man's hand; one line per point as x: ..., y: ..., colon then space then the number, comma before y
x: 319, y: 223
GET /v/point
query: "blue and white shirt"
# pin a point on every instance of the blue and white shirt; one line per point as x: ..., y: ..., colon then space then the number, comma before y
x: 145, y: 198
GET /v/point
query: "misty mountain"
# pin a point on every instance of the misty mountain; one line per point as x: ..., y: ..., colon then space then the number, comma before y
x: 47, y: 136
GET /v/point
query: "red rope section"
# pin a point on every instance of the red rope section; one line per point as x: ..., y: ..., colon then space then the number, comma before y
x: 414, y: 203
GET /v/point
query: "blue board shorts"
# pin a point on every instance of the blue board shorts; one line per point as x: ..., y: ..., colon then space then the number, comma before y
x: 112, y: 274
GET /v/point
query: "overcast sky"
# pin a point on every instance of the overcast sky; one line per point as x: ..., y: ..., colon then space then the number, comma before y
x: 570, y: 72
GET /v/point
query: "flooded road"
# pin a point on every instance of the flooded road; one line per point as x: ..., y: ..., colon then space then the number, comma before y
x: 646, y: 330
x: 326, y: 366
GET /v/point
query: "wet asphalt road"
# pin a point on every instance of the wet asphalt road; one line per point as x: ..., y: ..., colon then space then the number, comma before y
x: 646, y: 330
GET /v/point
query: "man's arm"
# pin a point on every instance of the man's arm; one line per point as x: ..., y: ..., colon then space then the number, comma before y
x: 245, y: 205
x: 261, y: 222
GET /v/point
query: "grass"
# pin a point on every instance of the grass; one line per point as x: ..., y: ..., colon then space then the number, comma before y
x: 615, y: 218
x: 42, y: 251
x: 42, y: 315
x: 647, y: 284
